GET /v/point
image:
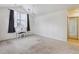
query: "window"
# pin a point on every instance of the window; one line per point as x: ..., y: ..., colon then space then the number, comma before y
x: 20, y: 21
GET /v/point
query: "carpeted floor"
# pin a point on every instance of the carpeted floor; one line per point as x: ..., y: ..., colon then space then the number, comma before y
x: 36, y: 45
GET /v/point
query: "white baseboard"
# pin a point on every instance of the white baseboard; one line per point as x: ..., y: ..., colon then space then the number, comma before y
x: 50, y: 38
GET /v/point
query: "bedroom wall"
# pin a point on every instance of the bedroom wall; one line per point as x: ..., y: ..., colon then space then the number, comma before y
x: 32, y: 22
x: 52, y: 25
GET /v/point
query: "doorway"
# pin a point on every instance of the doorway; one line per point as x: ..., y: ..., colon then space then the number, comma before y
x: 73, y: 30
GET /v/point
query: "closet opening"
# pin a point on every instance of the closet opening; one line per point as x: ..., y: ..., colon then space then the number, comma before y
x: 73, y: 26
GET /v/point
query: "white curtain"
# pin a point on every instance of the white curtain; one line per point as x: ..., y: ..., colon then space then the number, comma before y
x: 20, y: 21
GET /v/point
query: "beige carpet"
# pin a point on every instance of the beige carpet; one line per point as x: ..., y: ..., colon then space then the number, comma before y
x: 36, y: 45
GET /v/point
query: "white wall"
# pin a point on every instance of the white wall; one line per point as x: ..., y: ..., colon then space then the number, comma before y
x: 31, y: 19
x: 52, y: 25
x: 4, y: 21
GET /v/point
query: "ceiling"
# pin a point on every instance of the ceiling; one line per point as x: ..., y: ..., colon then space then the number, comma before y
x: 8, y: 5
x: 39, y: 9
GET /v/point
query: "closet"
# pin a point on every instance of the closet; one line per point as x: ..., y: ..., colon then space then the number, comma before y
x: 73, y: 28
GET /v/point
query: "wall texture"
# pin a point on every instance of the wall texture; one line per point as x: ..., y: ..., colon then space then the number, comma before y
x: 52, y: 25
